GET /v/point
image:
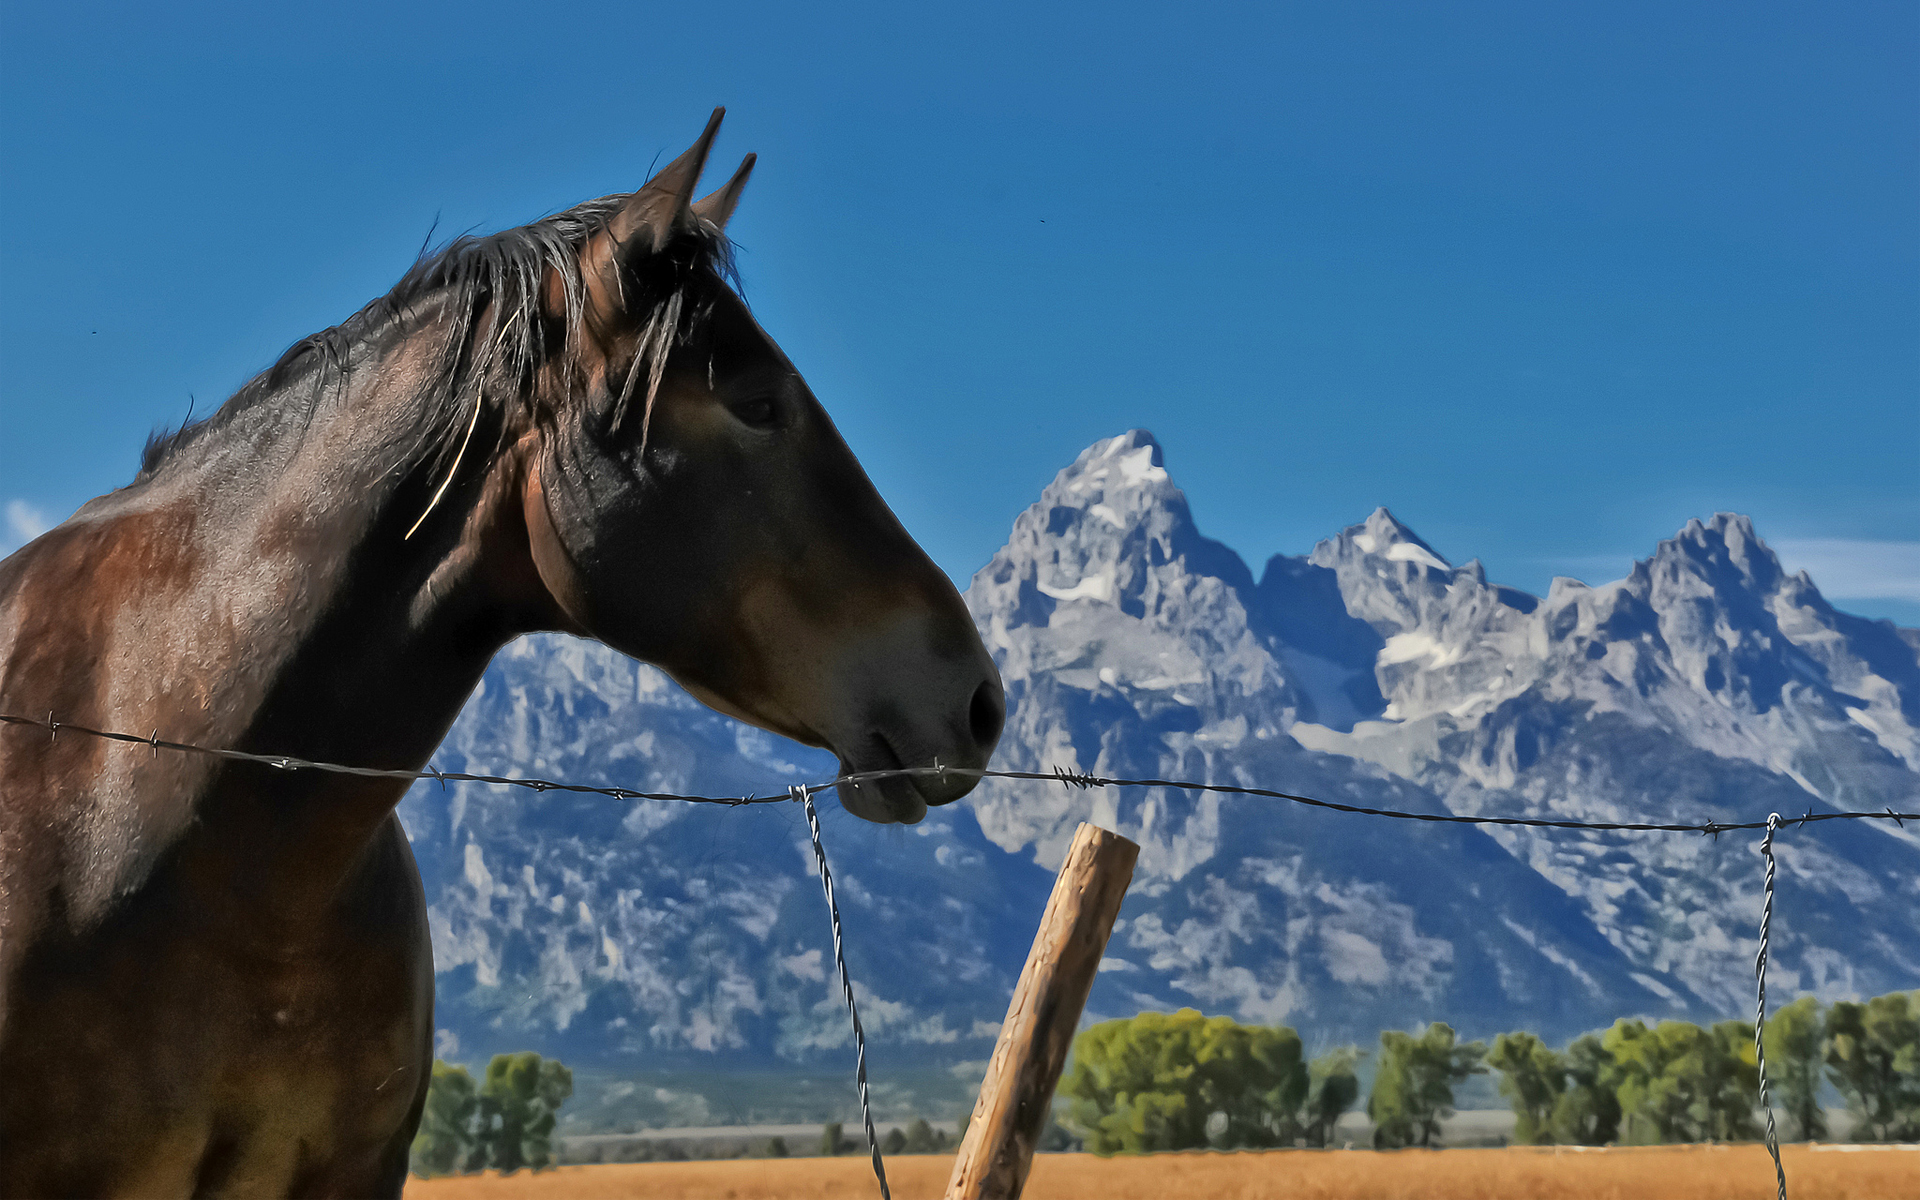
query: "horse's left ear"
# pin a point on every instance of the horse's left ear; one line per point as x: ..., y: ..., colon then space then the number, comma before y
x: 644, y: 226
x: 664, y: 207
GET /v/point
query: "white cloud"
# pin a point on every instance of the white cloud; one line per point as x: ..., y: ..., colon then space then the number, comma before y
x: 25, y: 522
x: 1855, y: 569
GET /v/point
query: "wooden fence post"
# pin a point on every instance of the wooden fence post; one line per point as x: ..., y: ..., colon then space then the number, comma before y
x: 1011, y: 1113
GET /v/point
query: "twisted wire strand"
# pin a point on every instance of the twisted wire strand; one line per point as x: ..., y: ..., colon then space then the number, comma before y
x: 805, y: 797
x: 1760, y: 1012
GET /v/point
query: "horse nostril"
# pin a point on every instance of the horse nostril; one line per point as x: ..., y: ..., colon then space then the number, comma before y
x: 986, y: 714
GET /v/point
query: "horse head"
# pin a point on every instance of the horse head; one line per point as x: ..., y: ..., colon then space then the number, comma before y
x: 688, y: 502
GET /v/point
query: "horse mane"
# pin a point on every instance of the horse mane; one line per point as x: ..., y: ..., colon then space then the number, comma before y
x: 464, y: 277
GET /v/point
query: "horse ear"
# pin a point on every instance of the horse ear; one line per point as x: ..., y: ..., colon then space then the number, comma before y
x: 663, y: 207
x: 718, y: 206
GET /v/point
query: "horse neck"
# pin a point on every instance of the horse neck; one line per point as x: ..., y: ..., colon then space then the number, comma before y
x: 345, y: 634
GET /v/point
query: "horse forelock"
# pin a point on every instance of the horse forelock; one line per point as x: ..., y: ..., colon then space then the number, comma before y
x: 493, y: 323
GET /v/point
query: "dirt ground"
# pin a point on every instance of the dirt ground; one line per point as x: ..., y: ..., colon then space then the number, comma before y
x: 1655, y: 1173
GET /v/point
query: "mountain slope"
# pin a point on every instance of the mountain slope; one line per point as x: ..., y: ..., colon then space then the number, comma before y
x: 1708, y: 684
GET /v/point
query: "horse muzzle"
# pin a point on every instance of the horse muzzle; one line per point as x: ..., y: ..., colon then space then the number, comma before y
x: 938, y: 731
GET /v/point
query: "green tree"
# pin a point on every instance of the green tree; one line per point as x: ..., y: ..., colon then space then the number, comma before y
x: 446, y: 1139
x: 920, y: 1137
x: 1413, y: 1089
x: 1678, y: 1082
x: 831, y: 1140
x: 777, y: 1148
x: 894, y: 1142
x: 1793, y: 1040
x: 519, y: 1103
x: 1332, y: 1088
x: 1873, y: 1058
x: 1153, y: 1082
x: 1532, y: 1078
x: 1588, y: 1110
x: 1731, y: 1084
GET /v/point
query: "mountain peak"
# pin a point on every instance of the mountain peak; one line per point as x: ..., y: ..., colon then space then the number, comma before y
x: 1111, y: 529
x: 1130, y: 461
x: 1384, y: 535
x: 1723, y: 548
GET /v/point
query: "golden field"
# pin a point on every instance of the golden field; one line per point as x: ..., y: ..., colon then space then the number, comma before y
x: 1653, y: 1173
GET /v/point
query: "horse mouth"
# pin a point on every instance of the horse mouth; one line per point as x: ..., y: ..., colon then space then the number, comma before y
x: 896, y: 800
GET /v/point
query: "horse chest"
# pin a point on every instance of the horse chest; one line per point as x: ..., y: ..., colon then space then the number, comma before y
x: 187, y: 1057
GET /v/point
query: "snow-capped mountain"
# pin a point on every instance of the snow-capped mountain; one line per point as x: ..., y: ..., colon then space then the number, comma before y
x: 1707, y: 683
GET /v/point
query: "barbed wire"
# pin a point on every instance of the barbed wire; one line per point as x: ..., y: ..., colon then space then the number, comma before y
x: 287, y: 762
x: 804, y: 793
x: 1061, y: 775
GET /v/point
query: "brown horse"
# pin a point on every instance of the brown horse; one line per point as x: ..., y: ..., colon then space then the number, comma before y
x: 215, y: 978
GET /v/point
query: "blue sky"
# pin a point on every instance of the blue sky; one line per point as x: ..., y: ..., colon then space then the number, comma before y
x: 1547, y: 280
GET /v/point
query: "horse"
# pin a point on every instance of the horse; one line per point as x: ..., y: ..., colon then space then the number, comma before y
x: 216, y: 977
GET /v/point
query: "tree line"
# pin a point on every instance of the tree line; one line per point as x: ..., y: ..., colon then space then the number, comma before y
x: 1177, y: 1081
x: 505, y: 1121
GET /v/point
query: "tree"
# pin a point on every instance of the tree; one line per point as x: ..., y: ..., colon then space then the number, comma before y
x: 1793, y: 1042
x: 1532, y: 1078
x: 1332, y: 1088
x: 1156, y: 1081
x: 1678, y: 1082
x: 446, y: 1140
x: 1588, y: 1110
x: 894, y: 1142
x: 831, y: 1141
x: 1731, y: 1083
x: 1873, y: 1058
x: 921, y: 1138
x: 777, y: 1148
x: 1413, y: 1089
x: 519, y: 1104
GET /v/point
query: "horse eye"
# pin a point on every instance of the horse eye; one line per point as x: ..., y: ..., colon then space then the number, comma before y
x: 761, y: 414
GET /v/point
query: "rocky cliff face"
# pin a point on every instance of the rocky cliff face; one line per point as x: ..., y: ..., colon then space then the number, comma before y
x: 1706, y: 684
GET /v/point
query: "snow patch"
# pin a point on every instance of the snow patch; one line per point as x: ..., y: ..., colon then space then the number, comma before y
x: 1412, y: 647
x: 1410, y: 552
x: 1138, y: 467
x: 1351, y: 958
x: 1093, y: 587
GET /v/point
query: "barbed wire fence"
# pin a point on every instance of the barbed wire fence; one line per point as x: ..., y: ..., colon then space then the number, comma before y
x: 803, y: 794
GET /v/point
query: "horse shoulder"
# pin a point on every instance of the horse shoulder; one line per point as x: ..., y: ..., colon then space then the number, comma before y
x: 75, y: 605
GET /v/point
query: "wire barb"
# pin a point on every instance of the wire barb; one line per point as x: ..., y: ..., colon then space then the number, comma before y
x: 804, y: 795
x: 1760, y: 1007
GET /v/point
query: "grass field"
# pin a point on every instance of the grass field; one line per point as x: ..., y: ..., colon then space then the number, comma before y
x: 1655, y: 1173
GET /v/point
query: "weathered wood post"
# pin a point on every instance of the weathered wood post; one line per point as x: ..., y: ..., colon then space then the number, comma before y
x: 1011, y: 1113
